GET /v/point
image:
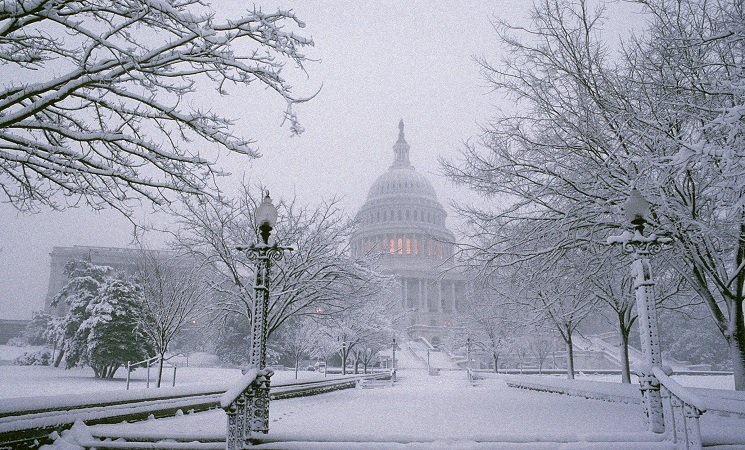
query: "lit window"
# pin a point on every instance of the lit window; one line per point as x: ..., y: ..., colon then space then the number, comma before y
x: 400, y: 246
x: 393, y: 248
x: 416, y: 246
x: 408, y: 246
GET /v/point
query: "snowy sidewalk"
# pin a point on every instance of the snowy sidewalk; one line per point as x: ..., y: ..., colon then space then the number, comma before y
x: 443, y: 409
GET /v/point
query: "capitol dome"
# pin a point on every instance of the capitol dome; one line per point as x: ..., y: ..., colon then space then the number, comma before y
x: 402, y: 216
x: 403, y: 222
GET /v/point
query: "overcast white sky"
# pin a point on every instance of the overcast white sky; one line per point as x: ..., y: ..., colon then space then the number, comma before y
x: 378, y: 62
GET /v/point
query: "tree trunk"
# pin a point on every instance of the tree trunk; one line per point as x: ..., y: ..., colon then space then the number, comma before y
x: 570, y: 357
x: 60, y: 355
x: 736, y: 340
x: 625, y: 366
x: 297, y: 366
x: 736, y: 343
x: 160, y: 369
x: 496, y: 362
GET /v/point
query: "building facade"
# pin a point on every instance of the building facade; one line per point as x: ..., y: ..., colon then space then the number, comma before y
x: 403, y: 221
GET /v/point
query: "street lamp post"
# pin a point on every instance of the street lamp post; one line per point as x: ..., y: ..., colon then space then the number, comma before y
x: 636, y: 210
x: 468, y: 360
x: 344, y: 357
x: 468, y: 353
x: 393, y: 362
x: 262, y: 253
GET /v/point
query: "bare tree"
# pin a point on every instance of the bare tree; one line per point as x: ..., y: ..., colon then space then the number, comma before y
x: 318, y: 278
x: 688, y: 127
x: 489, y: 317
x: 99, y: 98
x: 542, y: 342
x: 324, y: 346
x: 553, y: 297
x: 298, y: 339
x: 663, y: 114
x: 174, y: 292
x: 368, y: 324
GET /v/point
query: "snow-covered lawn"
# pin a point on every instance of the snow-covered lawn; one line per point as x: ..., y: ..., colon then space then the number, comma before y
x: 436, y: 407
x: 444, y: 407
x: 28, y: 381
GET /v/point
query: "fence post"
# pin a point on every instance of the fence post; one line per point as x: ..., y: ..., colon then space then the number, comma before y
x: 667, y: 412
x: 693, y: 430
x: 128, y: 372
x: 174, y: 376
x: 148, y: 373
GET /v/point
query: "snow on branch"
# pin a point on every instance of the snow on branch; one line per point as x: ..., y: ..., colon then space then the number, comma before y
x: 96, y: 103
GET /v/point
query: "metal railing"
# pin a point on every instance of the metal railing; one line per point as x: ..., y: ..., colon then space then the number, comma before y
x: 682, y: 408
x: 37, y: 419
x: 147, y: 363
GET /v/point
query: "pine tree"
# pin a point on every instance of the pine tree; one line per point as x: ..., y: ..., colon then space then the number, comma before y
x: 85, y: 282
x: 110, y: 333
x: 100, y: 328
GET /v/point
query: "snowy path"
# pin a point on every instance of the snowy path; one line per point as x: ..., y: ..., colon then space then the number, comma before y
x: 440, y: 407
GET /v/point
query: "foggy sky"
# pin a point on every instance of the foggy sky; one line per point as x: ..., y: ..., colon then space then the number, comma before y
x: 377, y: 62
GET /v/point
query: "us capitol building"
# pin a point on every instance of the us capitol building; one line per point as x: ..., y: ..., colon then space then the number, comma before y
x: 403, y: 220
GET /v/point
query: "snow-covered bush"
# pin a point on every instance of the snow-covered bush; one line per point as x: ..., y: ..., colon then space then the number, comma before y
x: 37, y: 358
x: 17, y: 342
x: 110, y: 336
x: 100, y: 328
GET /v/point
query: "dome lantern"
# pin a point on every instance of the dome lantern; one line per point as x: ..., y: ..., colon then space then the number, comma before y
x: 401, y: 148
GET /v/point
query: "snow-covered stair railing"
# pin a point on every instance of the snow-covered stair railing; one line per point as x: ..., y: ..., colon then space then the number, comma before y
x: 682, y: 408
x: 241, y: 403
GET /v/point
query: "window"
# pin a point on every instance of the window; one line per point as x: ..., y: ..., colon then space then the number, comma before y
x: 408, y: 246
x: 400, y: 246
x: 416, y: 246
x: 393, y: 248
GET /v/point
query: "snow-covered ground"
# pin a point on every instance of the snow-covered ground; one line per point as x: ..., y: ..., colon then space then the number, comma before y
x: 443, y: 407
x: 27, y: 381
